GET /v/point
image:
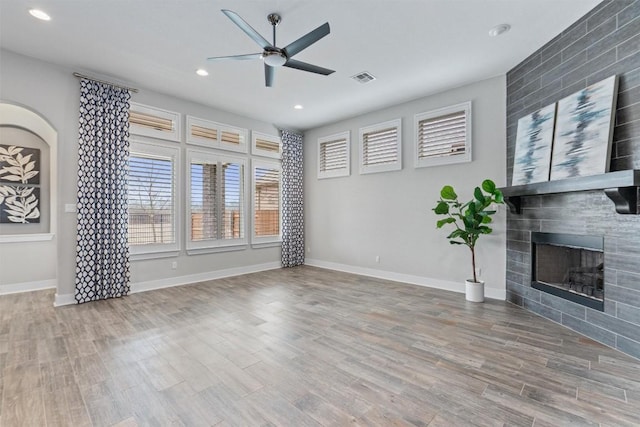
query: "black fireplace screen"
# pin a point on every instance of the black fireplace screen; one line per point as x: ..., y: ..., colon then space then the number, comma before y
x: 569, y: 266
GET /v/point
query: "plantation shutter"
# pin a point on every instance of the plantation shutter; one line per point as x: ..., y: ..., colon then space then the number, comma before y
x: 266, y: 201
x: 442, y: 136
x: 380, y: 147
x: 216, y: 200
x: 204, y: 224
x: 150, y: 121
x: 204, y: 132
x: 333, y: 155
x: 267, y: 145
x: 211, y: 134
x: 151, y: 199
x: 231, y: 204
x: 154, y: 122
x: 229, y: 137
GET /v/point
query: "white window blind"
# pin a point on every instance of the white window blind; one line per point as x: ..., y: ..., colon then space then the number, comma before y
x: 444, y: 136
x: 216, y: 205
x: 210, y: 134
x: 154, y: 122
x: 266, y: 145
x: 334, y: 156
x: 151, y: 199
x: 380, y: 147
x: 266, y: 202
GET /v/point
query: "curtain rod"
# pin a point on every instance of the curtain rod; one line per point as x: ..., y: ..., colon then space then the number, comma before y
x: 82, y: 76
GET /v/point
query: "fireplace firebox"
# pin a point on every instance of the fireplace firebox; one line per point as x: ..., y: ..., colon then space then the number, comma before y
x: 569, y: 266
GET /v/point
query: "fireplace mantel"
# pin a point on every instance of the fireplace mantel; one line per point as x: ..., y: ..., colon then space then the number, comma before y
x: 620, y: 186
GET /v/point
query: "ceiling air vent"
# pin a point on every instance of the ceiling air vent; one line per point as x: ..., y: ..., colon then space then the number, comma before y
x: 363, y: 77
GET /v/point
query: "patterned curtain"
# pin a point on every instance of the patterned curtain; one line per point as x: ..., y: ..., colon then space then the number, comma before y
x: 292, y: 200
x: 102, y: 251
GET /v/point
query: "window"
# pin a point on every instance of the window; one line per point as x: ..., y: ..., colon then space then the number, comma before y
x: 216, y: 189
x: 216, y: 135
x: 154, y: 122
x: 267, y: 221
x: 334, y: 155
x: 266, y: 145
x: 152, y: 198
x: 380, y: 147
x: 443, y: 136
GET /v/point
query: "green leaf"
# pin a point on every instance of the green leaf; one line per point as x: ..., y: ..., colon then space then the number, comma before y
x: 486, y: 220
x: 499, y: 198
x: 447, y: 193
x: 455, y: 242
x: 472, y: 209
x: 442, y: 208
x: 442, y: 222
x: 489, y: 186
x: 456, y: 233
x: 478, y: 195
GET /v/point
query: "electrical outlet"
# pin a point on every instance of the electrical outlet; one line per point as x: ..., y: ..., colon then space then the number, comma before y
x: 174, y: 265
x: 377, y: 259
x: 308, y: 250
x: 478, y: 271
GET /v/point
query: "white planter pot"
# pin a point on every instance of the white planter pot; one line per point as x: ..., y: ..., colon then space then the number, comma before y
x: 474, y: 291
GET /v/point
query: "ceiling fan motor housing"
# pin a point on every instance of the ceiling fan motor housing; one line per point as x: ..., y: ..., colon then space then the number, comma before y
x: 274, y: 58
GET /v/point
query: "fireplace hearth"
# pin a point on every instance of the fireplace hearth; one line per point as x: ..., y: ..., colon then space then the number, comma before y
x: 569, y: 266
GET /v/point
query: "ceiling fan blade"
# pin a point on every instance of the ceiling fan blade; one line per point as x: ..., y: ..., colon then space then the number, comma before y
x: 269, y: 71
x: 299, y: 65
x: 262, y: 42
x: 307, y: 40
x: 237, y: 57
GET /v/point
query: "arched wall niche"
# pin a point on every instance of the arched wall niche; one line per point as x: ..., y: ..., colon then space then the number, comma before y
x: 18, y: 116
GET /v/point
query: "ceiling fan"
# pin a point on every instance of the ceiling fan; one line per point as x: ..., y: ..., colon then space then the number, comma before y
x: 274, y: 56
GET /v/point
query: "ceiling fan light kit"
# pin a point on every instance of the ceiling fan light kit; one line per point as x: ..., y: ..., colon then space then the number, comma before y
x: 273, y: 56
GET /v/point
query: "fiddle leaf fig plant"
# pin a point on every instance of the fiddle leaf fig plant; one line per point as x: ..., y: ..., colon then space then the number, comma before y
x: 470, y: 219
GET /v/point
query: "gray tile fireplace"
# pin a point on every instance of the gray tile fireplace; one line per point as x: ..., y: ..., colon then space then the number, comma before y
x: 603, y: 43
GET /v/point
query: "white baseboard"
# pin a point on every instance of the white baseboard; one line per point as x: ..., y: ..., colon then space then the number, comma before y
x: 201, y: 277
x: 37, y: 285
x: 66, y: 299
x: 493, y: 293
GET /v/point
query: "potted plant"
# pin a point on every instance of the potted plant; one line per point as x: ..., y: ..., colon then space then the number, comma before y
x: 470, y: 220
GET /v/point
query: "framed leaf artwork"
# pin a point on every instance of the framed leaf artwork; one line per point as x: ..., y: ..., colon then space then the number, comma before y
x: 19, y: 184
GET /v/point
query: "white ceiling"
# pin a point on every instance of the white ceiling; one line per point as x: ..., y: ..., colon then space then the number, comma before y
x: 413, y: 47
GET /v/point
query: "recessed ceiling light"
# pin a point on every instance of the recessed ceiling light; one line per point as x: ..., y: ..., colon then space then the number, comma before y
x: 298, y: 107
x: 202, y: 72
x: 499, y: 29
x: 37, y: 13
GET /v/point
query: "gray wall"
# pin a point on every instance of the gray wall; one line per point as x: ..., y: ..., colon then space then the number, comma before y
x: 604, y: 42
x: 54, y: 93
x: 351, y: 220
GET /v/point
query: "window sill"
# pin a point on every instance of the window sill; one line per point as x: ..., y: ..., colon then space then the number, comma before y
x: 153, y: 255
x: 266, y: 244
x: 18, y: 238
x: 216, y: 249
x: 441, y: 161
x: 364, y: 169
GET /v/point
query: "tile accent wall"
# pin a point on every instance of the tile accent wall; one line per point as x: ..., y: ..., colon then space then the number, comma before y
x: 604, y: 42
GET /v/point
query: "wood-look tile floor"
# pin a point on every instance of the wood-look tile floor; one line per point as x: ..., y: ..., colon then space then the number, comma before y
x: 303, y: 347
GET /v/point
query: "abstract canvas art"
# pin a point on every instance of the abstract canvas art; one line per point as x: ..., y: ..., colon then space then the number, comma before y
x: 582, y: 142
x: 19, y: 184
x: 533, y: 147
